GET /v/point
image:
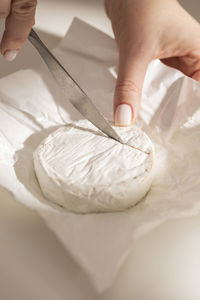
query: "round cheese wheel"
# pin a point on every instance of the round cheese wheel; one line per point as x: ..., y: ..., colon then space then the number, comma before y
x: 84, y: 171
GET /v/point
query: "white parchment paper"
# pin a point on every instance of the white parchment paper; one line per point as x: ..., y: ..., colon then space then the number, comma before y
x: 31, y: 106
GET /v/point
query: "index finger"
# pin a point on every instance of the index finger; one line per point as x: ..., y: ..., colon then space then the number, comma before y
x: 17, y: 27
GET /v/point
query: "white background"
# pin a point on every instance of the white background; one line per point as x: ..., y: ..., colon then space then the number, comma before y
x: 164, y: 265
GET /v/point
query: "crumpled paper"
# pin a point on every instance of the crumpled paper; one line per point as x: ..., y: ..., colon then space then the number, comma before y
x: 32, y: 106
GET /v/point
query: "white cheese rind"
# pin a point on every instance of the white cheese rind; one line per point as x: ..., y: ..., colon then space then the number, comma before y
x: 83, y: 171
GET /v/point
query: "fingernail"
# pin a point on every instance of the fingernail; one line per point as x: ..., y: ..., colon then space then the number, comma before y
x: 10, y: 55
x: 123, y: 115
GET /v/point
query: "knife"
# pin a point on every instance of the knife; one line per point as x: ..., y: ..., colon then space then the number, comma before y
x: 72, y: 90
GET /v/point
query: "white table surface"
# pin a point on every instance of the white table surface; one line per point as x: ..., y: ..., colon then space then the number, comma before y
x: 163, y: 265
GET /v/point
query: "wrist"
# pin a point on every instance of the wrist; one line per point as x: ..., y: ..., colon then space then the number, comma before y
x: 108, y: 4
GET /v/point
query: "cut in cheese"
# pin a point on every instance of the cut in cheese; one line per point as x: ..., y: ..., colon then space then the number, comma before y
x: 84, y: 171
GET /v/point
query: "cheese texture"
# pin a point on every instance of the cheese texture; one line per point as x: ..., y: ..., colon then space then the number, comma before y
x: 84, y: 171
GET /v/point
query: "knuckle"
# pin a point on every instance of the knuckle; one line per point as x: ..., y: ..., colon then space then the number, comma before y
x: 19, y: 40
x: 24, y: 8
x: 128, y: 86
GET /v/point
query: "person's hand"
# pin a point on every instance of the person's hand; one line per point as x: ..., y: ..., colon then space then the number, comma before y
x: 146, y: 30
x: 19, y: 18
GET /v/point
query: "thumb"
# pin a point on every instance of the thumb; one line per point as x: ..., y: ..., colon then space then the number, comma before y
x: 127, y: 98
x: 17, y: 27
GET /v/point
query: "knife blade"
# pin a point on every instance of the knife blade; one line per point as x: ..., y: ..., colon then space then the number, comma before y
x: 72, y: 90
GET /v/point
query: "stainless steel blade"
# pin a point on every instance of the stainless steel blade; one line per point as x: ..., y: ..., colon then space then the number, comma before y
x: 72, y: 90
